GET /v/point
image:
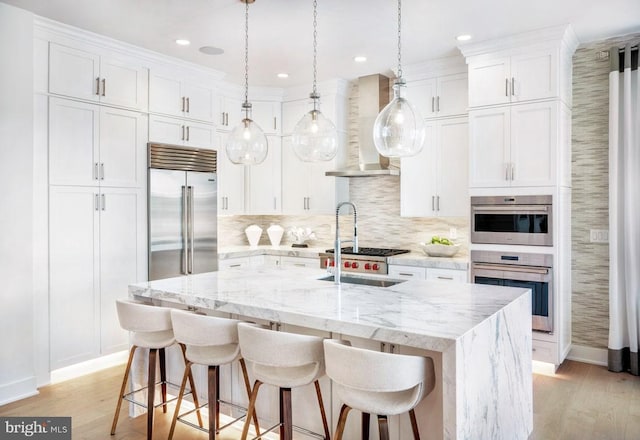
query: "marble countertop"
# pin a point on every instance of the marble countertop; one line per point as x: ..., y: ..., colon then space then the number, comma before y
x: 424, y: 314
x: 410, y: 259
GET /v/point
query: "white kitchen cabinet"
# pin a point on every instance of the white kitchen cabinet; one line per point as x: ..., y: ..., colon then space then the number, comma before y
x: 231, y: 183
x: 530, y: 75
x: 172, y: 94
x: 230, y: 112
x: 94, y: 145
x: 267, y: 114
x: 407, y: 272
x: 264, y: 182
x: 305, y: 187
x: 435, y: 183
x: 97, y: 247
x: 253, y: 261
x: 456, y: 275
x: 312, y: 263
x: 176, y: 131
x: 438, y: 97
x: 293, y: 111
x: 514, y: 146
x: 87, y: 75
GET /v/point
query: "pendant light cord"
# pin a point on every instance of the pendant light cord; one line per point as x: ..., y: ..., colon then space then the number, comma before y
x: 399, y: 39
x: 315, y: 45
x: 246, y: 57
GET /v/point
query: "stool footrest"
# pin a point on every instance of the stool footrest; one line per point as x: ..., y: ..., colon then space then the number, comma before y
x: 295, y: 428
x: 128, y: 396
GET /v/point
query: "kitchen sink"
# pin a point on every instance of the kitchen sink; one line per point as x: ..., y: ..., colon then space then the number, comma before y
x: 376, y: 282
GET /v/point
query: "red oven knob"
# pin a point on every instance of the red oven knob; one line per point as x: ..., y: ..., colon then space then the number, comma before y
x: 347, y: 264
x: 375, y: 266
x: 332, y: 263
x: 367, y: 266
x: 354, y: 265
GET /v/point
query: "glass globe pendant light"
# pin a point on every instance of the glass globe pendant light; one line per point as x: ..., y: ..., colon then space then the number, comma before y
x: 246, y: 144
x: 314, y: 137
x: 399, y: 129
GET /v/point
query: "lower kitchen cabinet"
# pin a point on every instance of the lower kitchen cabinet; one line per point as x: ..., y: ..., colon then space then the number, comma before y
x: 459, y: 276
x: 313, y: 263
x: 407, y: 272
x: 241, y: 262
x: 97, y: 247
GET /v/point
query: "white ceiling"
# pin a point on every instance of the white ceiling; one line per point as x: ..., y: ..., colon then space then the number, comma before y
x: 280, y: 38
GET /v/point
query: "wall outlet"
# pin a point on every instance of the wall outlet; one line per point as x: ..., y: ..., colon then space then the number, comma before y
x: 453, y: 233
x: 599, y: 236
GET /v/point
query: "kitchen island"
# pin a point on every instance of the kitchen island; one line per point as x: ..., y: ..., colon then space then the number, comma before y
x: 478, y: 335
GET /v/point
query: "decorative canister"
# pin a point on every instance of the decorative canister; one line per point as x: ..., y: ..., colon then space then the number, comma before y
x: 253, y: 234
x: 275, y: 234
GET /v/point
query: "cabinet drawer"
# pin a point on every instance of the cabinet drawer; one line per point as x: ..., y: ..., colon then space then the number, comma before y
x: 300, y: 262
x: 234, y: 263
x: 408, y: 272
x: 545, y: 351
x: 447, y: 275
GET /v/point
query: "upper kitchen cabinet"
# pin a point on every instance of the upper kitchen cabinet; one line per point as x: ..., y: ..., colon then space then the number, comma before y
x: 172, y: 94
x: 88, y: 75
x: 176, y: 131
x: 439, y: 97
x: 94, y: 145
x: 514, y: 145
x: 231, y: 181
x: 267, y: 114
x: 230, y: 112
x: 265, y: 183
x: 434, y: 183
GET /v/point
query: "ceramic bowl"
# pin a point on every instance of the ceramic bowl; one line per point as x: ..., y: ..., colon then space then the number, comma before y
x: 440, y: 250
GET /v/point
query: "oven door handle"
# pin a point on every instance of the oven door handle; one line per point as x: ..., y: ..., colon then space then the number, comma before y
x: 511, y: 208
x: 508, y: 268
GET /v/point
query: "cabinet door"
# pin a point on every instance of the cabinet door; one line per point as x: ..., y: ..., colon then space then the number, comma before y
x: 313, y: 263
x: 122, y: 230
x: 453, y: 95
x: 264, y: 182
x: 322, y: 188
x: 231, y: 184
x: 295, y: 180
x: 489, y: 82
x: 459, y: 276
x: 452, y: 175
x: 73, y: 275
x: 123, y: 141
x: 231, y: 112
x: 267, y: 115
x: 165, y: 94
x: 534, y: 142
x: 198, y: 102
x: 407, y: 272
x: 166, y: 130
x: 73, y: 143
x: 534, y: 76
x: 418, y: 179
x: 124, y: 83
x: 73, y: 72
x: 199, y: 135
x: 292, y: 112
x: 422, y: 94
x: 489, y: 147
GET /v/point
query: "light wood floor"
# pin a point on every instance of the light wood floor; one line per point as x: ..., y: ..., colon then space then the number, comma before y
x: 581, y: 401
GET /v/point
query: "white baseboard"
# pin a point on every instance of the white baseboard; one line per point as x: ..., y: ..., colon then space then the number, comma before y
x: 91, y: 366
x: 589, y: 355
x: 21, y: 389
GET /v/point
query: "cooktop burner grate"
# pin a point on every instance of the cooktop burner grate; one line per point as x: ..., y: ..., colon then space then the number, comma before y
x: 371, y: 252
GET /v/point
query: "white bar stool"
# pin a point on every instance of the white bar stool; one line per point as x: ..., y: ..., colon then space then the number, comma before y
x: 284, y: 360
x: 150, y: 328
x: 377, y: 383
x: 212, y: 342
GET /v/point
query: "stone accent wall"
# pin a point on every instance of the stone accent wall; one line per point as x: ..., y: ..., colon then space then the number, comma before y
x: 590, y: 192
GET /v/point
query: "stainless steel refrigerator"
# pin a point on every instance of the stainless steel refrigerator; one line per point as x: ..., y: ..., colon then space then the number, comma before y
x: 182, y: 203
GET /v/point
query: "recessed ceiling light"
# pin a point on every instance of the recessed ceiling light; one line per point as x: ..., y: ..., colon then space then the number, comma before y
x: 182, y: 42
x: 211, y: 50
x: 360, y: 59
x: 463, y: 37
x: 283, y: 75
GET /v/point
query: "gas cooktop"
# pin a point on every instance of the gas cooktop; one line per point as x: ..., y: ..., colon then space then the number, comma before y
x: 371, y: 252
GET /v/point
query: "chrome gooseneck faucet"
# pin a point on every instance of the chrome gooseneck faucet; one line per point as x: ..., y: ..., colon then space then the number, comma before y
x: 337, y: 247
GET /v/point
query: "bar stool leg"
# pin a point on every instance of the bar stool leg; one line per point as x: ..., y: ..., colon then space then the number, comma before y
x: 342, y: 421
x: 366, y: 424
x: 414, y: 424
x: 286, y: 421
x: 151, y: 386
x: 192, y: 385
x: 247, y: 385
x: 127, y: 370
x: 383, y: 426
x: 214, y: 408
x: 251, y: 409
x: 163, y: 378
x: 176, y: 413
x: 325, y: 425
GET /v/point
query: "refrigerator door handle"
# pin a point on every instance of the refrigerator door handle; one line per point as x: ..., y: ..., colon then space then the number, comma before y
x: 190, y: 223
x: 185, y: 222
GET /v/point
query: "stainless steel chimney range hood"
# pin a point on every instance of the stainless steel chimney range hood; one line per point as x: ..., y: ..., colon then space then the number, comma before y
x: 373, y: 96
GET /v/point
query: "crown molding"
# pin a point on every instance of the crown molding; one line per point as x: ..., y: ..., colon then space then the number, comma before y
x: 435, y: 67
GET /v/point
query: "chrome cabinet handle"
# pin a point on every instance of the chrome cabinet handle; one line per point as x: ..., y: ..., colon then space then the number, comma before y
x: 438, y: 103
x: 188, y: 106
x: 437, y: 203
x: 433, y: 203
x: 187, y: 133
x: 102, y: 171
x: 182, y: 133
x: 222, y: 116
x: 182, y: 109
x: 506, y: 87
x: 513, y: 86
x: 96, y: 202
x: 433, y: 104
x: 190, y: 230
x: 512, y: 171
x: 104, y: 202
x: 275, y: 124
x: 506, y: 171
x: 96, y: 173
x: 445, y: 278
x: 402, y: 274
x: 98, y: 86
x: 104, y: 86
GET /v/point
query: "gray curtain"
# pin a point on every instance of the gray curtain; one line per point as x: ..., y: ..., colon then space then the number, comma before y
x: 624, y: 210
